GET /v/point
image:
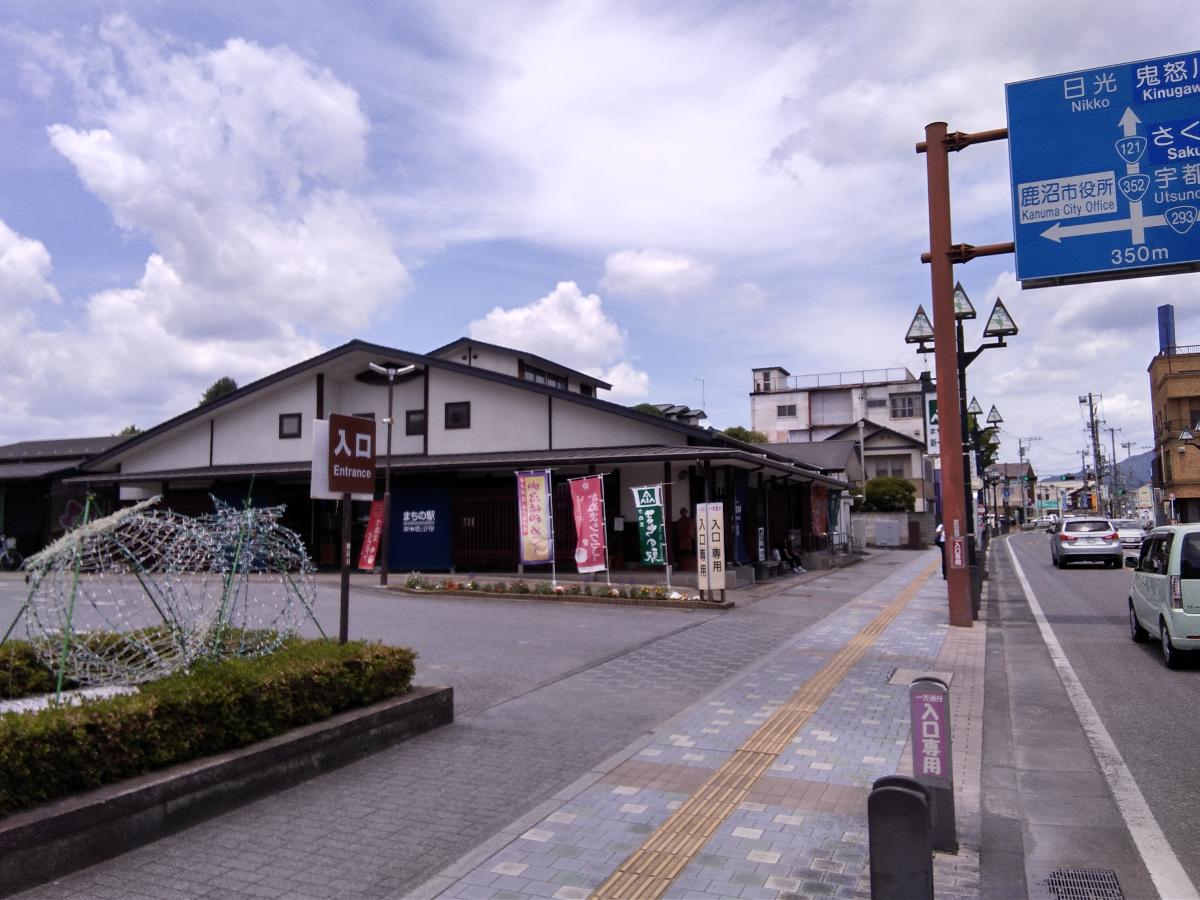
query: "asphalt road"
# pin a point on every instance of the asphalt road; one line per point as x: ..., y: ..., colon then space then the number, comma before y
x: 1149, y: 710
x: 491, y: 651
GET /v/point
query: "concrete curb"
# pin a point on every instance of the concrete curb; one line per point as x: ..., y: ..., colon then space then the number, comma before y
x: 594, y: 600
x: 45, y: 843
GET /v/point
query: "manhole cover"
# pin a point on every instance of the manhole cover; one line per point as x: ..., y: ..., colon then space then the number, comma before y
x: 1084, y: 884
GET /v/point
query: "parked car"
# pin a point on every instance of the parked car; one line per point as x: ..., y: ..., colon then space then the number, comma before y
x: 1131, y: 533
x: 1164, y: 597
x: 1085, y: 539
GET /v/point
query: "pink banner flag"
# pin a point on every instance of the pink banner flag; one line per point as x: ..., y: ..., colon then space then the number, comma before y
x: 587, y: 498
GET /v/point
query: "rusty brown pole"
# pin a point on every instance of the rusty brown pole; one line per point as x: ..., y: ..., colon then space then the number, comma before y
x: 941, y: 270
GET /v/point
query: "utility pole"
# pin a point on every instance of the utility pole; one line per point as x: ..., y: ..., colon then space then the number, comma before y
x: 1023, y: 445
x: 1129, y: 445
x: 1083, y: 469
x: 1094, y: 427
x: 1114, y: 474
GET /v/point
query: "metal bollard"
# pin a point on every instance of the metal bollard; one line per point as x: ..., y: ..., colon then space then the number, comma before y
x: 929, y: 705
x: 901, y: 839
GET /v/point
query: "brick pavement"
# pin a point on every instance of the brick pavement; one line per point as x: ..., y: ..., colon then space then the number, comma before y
x: 801, y: 829
x: 382, y: 826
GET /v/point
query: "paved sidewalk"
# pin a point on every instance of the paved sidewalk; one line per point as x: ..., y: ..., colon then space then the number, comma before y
x: 796, y: 825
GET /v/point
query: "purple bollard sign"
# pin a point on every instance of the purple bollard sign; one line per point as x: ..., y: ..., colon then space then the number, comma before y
x: 929, y: 707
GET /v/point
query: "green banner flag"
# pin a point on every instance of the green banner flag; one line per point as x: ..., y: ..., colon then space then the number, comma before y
x: 651, y: 529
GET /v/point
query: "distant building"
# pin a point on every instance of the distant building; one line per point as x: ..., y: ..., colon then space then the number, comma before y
x: 35, y: 504
x: 1015, y: 494
x: 1175, y: 401
x: 883, y: 410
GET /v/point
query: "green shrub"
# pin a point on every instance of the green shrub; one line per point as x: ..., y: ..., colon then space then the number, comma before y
x: 22, y: 672
x: 216, y: 707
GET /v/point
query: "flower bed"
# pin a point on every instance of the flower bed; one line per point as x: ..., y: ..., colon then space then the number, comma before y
x: 576, y: 591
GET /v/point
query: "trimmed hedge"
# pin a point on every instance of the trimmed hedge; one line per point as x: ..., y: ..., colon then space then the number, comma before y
x: 218, y: 706
x: 22, y: 672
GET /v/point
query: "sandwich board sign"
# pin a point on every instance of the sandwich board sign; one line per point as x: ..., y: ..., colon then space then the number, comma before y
x: 1105, y: 171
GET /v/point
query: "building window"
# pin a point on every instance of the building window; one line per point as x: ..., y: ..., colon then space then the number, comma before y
x: 786, y: 410
x: 414, y: 421
x: 541, y: 376
x: 289, y: 425
x: 876, y: 404
x: 458, y: 415
x: 890, y: 466
x: 587, y: 390
x: 905, y: 406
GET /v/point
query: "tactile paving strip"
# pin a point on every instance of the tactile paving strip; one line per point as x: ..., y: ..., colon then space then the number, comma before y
x: 650, y: 870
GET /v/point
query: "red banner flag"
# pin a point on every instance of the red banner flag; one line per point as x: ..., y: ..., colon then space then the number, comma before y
x: 370, y: 544
x: 587, y: 497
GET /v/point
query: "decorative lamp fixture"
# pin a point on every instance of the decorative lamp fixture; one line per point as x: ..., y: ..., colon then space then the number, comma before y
x: 993, y: 417
x: 963, y: 308
x: 920, y: 330
x: 974, y: 408
x: 1000, y: 324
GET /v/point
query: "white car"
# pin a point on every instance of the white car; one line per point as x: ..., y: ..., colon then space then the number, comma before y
x: 1131, y: 533
x: 1164, y: 598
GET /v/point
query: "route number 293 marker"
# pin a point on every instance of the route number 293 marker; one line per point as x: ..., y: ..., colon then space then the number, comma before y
x: 1105, y: 170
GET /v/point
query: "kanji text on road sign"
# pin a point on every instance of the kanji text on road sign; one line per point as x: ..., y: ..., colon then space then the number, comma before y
x: 1106, y: 171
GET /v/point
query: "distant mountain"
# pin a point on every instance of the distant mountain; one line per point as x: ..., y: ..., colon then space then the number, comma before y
x: 1139, y: 464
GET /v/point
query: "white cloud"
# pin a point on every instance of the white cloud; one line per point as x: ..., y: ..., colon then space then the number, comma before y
x: 238, y: 164
x: 653, y: 272
x: 572, y: 328
x: 241, y: 166
x: 24, y: 272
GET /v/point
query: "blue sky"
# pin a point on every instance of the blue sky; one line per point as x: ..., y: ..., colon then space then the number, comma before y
x: 655, y: 193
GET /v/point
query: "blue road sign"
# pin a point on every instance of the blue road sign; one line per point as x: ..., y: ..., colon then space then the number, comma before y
x: 1105, y: 168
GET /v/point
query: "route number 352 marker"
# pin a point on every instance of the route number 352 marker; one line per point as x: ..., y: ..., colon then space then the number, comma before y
x: 1105, y: 172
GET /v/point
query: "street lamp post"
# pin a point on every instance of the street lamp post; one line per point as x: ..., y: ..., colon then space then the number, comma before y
x: 999, y: 326
x: 391, y: 373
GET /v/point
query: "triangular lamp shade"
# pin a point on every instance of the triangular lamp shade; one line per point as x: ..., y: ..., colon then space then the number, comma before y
x: 963, y: 308
x: 921, y: 329
x: 1000, y: 323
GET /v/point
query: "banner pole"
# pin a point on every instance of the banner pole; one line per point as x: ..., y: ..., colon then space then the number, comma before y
x: 662, y: 494
x: 604, y: 514
x: 550, y: 512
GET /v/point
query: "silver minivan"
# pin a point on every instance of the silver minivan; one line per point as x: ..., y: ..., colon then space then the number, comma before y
x: 1164, y: 598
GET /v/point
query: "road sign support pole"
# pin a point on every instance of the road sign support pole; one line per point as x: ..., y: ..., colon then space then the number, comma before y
x: 941, y: 268
x: 344, y: 617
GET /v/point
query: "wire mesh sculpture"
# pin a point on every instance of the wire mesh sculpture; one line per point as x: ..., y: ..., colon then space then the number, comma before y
x: 142, y: 593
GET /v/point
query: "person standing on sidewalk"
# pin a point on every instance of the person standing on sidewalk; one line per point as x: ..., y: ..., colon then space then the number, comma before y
x: 939, y: 538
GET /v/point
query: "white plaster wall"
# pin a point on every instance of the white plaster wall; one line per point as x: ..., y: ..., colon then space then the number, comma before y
x: 493, y: 360
x: 577, y: 425
x: 350, y: 396
x: 503, y: 417
x: 764, y: 417
x: 185, y: 449
x: 248, y: 432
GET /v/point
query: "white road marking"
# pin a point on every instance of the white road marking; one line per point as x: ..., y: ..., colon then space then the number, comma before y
x: 1165, y: 869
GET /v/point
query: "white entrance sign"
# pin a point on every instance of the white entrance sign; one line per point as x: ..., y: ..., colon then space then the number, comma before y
x: 710, y: 546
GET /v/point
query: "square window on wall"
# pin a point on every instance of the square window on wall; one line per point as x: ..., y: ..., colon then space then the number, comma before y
x: 458, y: 415
x: 414, y: 421
x: 289, y: 426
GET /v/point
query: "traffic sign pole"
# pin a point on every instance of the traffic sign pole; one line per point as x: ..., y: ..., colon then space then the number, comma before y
x: 945, y: 354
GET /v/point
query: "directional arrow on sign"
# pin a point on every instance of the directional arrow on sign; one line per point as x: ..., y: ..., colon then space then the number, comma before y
x: 1057, y: 232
